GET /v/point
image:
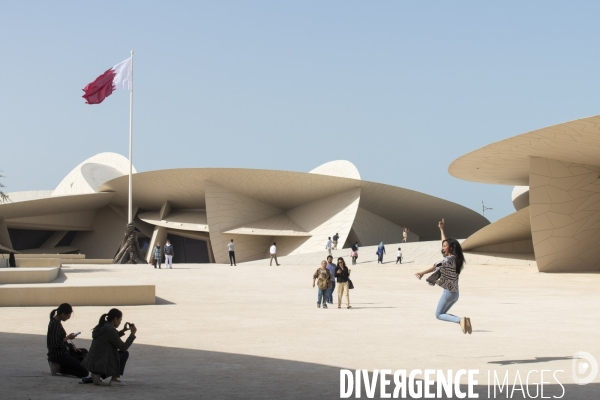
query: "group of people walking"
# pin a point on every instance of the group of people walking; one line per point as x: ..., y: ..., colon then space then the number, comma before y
x: 332, y: 244
x: 106, y: 357
x: 328, y: 277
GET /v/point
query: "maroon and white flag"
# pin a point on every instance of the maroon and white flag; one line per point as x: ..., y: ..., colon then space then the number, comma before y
x: 118, y: 77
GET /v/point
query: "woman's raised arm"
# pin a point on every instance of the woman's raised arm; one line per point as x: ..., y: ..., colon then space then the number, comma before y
x: 441, y: 226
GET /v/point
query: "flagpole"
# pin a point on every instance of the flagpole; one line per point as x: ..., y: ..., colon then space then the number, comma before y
x: 130, y: 213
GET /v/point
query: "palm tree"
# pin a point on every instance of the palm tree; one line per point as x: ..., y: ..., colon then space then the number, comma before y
x: 3, y: 196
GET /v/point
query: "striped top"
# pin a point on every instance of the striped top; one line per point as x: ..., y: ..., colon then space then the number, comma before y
x: 449, y: 278
x: 55, y: 339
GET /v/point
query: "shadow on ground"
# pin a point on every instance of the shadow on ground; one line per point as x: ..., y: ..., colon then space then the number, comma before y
x: 530, y: 361
x: 156, y: 372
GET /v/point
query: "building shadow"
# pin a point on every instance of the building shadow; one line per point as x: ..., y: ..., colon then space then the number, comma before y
x: 162, y: 372
x: 160, y: 301
x: 530, y: 360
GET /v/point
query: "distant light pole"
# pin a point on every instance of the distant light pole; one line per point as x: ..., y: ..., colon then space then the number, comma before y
x: 483, y: 208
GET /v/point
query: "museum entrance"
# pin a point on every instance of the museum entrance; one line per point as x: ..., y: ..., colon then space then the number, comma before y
x: 188, y: 250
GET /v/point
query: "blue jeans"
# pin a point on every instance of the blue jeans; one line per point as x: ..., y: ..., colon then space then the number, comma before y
x: 322, y: 295
x: 446, y: 302
x: 330, y: 292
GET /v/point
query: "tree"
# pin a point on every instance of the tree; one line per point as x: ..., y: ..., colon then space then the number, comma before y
x: 3, y: 196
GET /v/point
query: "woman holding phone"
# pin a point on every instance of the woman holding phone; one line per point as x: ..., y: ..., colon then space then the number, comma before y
x: 108, y: 353
x: 59, y: 358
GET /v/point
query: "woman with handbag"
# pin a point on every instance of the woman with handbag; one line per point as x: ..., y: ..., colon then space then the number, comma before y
x: 60, y: 358
x: 342, y: 274
x: 108, y: 354
x: 445, y: 274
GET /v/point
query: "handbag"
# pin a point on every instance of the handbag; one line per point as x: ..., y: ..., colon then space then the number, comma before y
x: 433, y: 278
x: 350, y: 285
x: 79, y: 354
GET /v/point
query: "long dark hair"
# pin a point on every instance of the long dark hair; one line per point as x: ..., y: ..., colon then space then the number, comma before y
x: 112, y: 314
x: 64, y: 308
x: 340, y: 258
x: 456, y: 250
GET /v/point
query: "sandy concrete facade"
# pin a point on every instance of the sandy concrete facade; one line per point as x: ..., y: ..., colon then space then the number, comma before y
x: 204, y: 208
x: 557, y: 169
x: 565, y: 215
x: 504, y: 233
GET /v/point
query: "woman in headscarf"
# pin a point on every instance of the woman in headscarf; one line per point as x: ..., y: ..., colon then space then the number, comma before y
x: 380, y: 253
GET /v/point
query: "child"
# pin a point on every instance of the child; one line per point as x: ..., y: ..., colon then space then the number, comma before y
x: 399, y: 256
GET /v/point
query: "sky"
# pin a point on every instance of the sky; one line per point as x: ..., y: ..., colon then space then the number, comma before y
x: 399, y: 88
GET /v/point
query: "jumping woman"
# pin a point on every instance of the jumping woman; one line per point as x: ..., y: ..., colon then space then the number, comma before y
x: 450, y: 268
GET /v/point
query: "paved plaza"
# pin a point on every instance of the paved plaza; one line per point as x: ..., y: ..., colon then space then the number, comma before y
x: 254, y: 331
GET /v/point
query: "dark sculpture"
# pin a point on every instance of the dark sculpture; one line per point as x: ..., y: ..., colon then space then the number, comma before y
x: 129, y: 252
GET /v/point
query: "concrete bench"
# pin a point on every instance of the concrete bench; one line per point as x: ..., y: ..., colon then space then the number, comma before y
x: 80, y: 292
x: 37, y: 262
x: 28, y: 275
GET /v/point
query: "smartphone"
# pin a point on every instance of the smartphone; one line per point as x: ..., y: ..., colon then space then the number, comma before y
x: 77, y: 333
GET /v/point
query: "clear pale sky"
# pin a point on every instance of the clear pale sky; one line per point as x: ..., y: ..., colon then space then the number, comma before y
x: 400, y: 89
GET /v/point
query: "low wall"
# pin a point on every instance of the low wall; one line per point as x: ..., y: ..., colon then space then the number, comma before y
x: 37, y: 262
x: 88, y: 261
x: 95, y: 293
x: 61, y: 256
x: 28, y: 275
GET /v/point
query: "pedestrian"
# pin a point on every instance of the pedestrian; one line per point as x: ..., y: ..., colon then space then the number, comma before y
x: 404, y: 234
x: 231, y: 247
x: 380, y: 252
x: 354, y: 252
x: 169, y: 253
x: 11, y: 260
x: 157, y: 255
x: 449, y: 268
x: 342, y: 274
x: 60, y: 358
x: 273, y: 252
x: 108, y: 353
x: 328, y: 245
x: 323, y: 277
x: 399, y: 256
x: 336, y: 237
x: 331, y: 268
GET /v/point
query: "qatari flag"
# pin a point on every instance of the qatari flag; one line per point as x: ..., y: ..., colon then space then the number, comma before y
x: 118, y: 77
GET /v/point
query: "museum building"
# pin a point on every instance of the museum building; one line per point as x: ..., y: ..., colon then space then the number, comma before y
x: 556, y: 173
x: 201, y: 209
